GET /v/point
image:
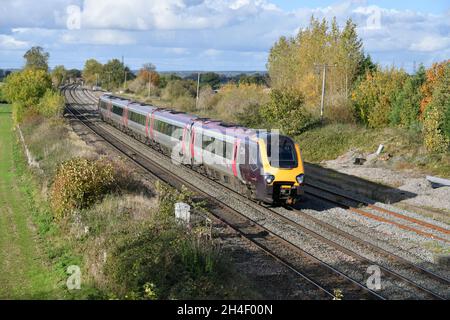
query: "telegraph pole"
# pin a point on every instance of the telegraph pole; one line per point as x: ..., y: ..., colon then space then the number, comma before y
x: 125, y: 84
x: 324, y: 77
x: 198, y: 89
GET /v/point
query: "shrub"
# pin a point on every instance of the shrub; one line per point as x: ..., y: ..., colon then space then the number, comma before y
x: 79, y: 183
x: 179, y: 88
x: 2, y: 95
x: 234, y: 100
x: 434, y: 138
x: 437, y: 115
x: 184, y: 103
x: 374, y: 96
x: 406, y: 106
x: 207, y: 98
x: 51, y: 104
x: 162, y: 262
x: 27, y: 87
x: 286, y: 111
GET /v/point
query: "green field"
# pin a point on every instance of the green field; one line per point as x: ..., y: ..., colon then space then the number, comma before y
x: 25, y: 272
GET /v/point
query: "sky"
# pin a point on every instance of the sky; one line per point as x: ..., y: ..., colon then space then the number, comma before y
x: 213, y: 35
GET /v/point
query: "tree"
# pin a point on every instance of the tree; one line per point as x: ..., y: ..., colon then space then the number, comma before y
x: 211, y: 79
x: 433, y: 76
x: 292, y: 62
x: 437, y: 114
x: 286, y: 111
x: 73, y: 74
x: 26, y: 87
x: 406, y: 105
x: 36, y: 58
x: 59, y: 75
x: 148, y: 74
x: 113, y: 73
x: 374, y: 96
x: 92, y: 71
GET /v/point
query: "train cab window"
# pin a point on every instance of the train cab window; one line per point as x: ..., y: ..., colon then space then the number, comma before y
x: 281, y: 152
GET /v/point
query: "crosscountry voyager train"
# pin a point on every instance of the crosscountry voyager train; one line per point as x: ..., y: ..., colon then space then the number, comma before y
x: 264, y: 166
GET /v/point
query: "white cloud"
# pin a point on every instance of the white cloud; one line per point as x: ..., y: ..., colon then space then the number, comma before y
x: 431, y: 43
x: 98, y: 37
x: 10, y: 43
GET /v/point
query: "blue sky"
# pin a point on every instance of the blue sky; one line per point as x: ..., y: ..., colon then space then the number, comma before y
x: 430, y: 6
x: 213, y: 34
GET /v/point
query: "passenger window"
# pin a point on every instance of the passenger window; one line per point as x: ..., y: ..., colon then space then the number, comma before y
x: 208, y: 143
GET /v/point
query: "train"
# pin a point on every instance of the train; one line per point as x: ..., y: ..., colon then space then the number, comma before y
x: 262, y: 165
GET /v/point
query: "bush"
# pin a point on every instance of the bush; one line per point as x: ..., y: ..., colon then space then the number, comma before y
x: 27, y: 87
x: 374, y: 96
x: 79, y: 183
x: 286, y: 111
x: 51, y: 104
x: 179, y: 88
x: 162, y: 262
x: 434, y: 138
x: 234, y: 100
x: 2, y: 95
x: 184, y: 103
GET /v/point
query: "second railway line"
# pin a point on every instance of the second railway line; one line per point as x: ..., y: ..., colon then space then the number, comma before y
x: 397, y: 286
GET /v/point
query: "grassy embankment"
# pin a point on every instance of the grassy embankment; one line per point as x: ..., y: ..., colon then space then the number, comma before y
x: 406, y: 147
x: 25, y: 270
x: 129, y: 229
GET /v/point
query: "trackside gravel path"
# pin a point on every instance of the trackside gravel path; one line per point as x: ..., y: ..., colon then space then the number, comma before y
x: 23, y: 270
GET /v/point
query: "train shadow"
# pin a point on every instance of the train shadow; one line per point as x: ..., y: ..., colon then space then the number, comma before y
x: 371, y: 192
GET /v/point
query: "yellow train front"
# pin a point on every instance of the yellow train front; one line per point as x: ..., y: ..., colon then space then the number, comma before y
x: 276, y: 173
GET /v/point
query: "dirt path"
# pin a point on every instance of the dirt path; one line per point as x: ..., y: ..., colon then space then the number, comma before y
x: 23, y: 272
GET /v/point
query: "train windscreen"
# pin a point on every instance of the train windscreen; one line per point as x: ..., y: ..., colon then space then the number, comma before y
x: 281, y: 152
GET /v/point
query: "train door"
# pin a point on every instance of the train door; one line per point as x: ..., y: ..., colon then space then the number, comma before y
x: 125, y: 117
x: 186, y: 144
x: 248, y: 162
x: 109, y: 109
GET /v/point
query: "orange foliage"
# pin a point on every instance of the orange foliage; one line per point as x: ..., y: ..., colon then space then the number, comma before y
x: 145, y: 75
x: 433, y: 75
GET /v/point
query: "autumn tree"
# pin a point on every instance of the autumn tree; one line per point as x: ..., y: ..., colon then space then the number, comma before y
x: 148, y: 74
x: 36, y: 58
x: 433, y: 76
x: 437, y: 113
x: 58, y: 75
x: 292, y: 62
x: 92, y: 71
x: 374, y: 96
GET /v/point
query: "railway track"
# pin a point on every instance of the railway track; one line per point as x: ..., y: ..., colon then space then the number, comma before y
x: 363, y: 262
x: 364, y: 208
x: 319, y: 274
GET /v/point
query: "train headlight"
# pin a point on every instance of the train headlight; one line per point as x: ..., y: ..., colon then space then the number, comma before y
x: 300, y: 178
x: 269, y: 178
